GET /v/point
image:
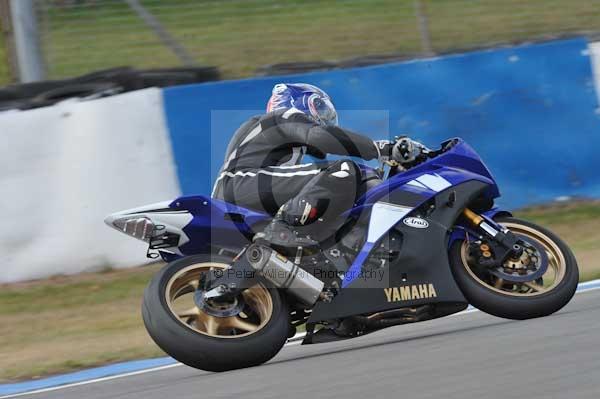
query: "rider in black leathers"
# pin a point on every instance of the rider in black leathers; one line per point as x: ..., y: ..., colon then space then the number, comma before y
x: 263, y: 168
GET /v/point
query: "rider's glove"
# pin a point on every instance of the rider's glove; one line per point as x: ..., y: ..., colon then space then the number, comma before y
x: 406, y: 150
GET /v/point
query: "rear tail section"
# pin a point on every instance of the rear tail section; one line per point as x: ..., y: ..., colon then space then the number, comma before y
x: 189, y: 225
x: 161, y: 225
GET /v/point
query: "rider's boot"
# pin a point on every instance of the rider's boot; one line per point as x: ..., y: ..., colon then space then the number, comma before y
x: 291, y: 227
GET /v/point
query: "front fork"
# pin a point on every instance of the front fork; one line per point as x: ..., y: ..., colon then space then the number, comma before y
x: 503, y: 243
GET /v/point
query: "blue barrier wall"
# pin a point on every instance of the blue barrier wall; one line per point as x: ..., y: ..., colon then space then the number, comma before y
x: 530, y: 111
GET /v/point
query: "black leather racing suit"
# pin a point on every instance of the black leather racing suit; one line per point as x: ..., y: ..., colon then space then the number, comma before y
x: 263, y: 168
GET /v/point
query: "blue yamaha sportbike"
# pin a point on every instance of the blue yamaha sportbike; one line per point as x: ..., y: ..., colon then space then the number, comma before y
x: 417, y: 245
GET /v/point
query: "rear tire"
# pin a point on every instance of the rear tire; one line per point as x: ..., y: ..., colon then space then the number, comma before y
x: 216, y: 352
x: 509, y: 305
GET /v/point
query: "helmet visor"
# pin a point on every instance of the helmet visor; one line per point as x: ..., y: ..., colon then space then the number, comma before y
x: 322, y: 109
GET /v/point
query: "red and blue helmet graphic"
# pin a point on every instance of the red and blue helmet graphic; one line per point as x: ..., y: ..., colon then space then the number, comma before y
x: 306, y: 98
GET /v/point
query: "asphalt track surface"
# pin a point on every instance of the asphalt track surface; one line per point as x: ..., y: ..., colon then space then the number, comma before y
x: 470, y: 355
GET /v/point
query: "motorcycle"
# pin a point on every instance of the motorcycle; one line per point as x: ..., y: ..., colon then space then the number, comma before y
x: 419, y: 244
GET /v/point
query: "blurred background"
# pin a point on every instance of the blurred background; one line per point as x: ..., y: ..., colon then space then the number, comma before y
x: 246, y: 38
x: 112, y: 104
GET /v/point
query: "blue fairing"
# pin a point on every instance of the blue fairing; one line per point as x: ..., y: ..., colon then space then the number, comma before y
x: 217, y: 223
x: 461, y: 163
x: 455, y: 166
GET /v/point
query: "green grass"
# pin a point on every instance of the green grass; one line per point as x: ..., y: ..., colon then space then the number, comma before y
x: 68, y: 323
x: 240, y: 36
x: 72, y: 294
x: 568, y: 213
x: 482, y: 22
x: 577, y: 224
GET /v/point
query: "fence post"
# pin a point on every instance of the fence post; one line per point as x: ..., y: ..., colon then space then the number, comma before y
x: 27, y: 41
x: 9, y: 40
x: 177, y: 48
x: 423, y: 27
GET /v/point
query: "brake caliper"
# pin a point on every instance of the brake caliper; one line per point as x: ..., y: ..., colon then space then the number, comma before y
x: 529, y: 263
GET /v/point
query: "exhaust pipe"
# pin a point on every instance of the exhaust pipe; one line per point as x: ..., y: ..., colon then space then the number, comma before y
x: 285, y: 274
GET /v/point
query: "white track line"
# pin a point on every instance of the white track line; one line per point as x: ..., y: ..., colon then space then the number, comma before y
x: 296, y: 340
x: 75, y: 384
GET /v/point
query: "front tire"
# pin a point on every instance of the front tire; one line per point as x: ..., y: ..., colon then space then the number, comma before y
x: 198, y: 338
x: 518, y: 301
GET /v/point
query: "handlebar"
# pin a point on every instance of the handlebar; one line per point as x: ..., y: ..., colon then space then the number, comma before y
x: 424, y: 156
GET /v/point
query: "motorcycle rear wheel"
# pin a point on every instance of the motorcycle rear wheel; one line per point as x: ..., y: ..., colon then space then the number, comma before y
x: 208, y: 338
x: 522, y: 300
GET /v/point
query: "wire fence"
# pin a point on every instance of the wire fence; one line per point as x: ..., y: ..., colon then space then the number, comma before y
x: 241, y: 37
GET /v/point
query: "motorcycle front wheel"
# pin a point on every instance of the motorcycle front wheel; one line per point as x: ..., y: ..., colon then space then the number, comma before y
x: 215, y: 336
x: 500, y: 297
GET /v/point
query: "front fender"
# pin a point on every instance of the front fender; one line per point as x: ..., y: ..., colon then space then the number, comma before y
x: 495, y: 212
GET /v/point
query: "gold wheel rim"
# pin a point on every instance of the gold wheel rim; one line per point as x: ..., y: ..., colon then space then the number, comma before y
x: 553, y: 276
x: 256, y: 313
